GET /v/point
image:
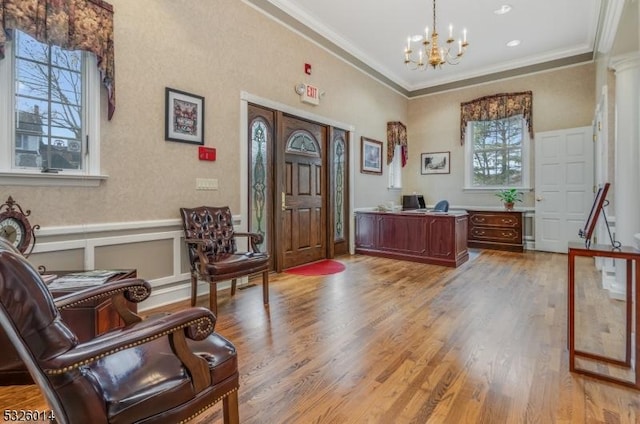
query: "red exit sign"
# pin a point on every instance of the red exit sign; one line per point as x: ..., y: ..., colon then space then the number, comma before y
x: 310, y: 95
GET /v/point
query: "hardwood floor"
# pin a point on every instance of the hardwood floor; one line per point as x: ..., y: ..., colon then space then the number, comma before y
x: 398, y: 342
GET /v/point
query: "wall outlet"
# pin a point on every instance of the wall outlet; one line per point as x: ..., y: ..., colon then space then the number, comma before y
x: 206, y: 183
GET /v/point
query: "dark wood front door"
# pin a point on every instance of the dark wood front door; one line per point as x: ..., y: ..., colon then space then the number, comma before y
x: 303, y: 196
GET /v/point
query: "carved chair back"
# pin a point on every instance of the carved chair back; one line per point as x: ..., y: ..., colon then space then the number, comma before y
x: 209, y: 223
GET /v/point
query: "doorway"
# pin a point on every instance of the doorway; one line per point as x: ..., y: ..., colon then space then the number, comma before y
x: 298, y: 186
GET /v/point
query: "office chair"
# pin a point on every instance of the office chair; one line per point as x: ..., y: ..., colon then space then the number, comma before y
x: 441, y: 206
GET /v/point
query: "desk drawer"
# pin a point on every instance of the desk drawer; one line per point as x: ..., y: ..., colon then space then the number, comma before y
x: 495, y: 220
x: 507, y: 235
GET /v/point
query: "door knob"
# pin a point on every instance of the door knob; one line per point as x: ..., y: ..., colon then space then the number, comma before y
x: 539, y: 199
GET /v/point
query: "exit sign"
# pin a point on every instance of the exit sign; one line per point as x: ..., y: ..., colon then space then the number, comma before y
x: 310, y: 95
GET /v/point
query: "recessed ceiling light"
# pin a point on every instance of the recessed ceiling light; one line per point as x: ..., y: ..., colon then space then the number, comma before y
x: 416, y: 38
x: 505, y: 8
x: 513, y: 43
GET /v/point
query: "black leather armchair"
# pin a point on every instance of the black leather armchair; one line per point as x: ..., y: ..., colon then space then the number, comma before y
x: 108, y: 379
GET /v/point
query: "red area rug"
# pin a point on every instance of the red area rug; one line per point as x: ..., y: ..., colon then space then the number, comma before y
x: 324, y: 267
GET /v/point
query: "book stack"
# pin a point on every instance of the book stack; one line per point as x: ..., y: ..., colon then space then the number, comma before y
x: 83, y: 279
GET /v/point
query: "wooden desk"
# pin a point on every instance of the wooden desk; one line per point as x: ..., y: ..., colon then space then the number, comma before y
x: 428, y: 237
x: 631, y: 255
x: 87, y: 321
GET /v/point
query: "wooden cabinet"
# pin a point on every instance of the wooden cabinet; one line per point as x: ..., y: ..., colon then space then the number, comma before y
x: 500, y: 230
x: 433, y: 238
x: 87, y: 321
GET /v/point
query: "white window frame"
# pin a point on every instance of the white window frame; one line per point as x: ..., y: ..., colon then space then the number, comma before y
x: 395, y: 169
x: 468, y: 161
x: 90, y: 175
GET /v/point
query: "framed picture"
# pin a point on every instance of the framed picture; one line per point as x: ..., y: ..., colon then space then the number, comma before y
x: 435, y: 163
x: 370, y: 156
x: 184, y: 117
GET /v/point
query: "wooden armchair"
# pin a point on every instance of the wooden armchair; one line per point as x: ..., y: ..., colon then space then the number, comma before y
x: 107, y: 379
x: 211, y: 244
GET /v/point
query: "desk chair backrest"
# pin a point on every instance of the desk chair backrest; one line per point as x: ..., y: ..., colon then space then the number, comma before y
x: 441, y: 206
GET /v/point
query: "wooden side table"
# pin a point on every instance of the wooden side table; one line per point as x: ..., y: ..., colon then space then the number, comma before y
x: 87, y: 321
x: 632, y: 312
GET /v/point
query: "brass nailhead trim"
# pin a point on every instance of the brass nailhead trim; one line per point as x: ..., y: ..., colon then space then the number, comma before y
x: 130, y: 345
x: 208, y: 406
x: 99, y: 296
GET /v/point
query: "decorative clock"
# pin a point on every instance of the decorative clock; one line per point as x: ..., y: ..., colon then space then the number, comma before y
x: 15, y: 226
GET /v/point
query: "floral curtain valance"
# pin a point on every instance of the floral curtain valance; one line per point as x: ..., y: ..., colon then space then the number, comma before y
x: 498, y: 106
x: 396, y: 135
x: 70, y: 24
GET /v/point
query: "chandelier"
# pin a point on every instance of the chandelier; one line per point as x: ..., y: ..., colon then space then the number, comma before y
x: 432, y: 54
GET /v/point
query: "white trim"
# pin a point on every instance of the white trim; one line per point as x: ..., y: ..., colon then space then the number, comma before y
x: 166, y: 289
x: 612, y: 15
x: 89, y: 175
x: 49, y: 180
x: 251, y: 98
x: 106, y: 227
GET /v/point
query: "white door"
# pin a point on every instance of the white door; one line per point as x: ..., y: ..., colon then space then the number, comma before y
x: 564, y: 186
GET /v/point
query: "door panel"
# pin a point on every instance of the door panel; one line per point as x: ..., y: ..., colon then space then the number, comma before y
x: 564, y: 186
x: 303, y: 183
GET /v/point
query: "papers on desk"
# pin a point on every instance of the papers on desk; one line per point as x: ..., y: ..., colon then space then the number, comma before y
x: 83, y: 279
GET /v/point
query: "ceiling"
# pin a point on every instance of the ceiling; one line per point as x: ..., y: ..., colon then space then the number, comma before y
x: 372, y: 35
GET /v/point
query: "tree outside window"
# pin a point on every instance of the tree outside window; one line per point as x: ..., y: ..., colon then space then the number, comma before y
x: 48, y: 105
x: 497, y: 152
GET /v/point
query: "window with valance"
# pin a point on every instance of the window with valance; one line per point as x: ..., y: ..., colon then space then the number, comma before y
x: 396, y: 136
x: 397, y: 151
x: 498, y: 106
x: 496, y: 131
x: 85, y: 25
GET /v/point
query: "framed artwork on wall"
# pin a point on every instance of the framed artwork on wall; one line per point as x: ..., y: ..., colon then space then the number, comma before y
x: 184, y: 117
x: 370, y: 156
x: 435, y: 163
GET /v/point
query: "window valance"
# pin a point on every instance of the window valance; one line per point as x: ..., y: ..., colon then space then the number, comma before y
x: 396, y: 135
x: 70, y: 24
x: 498, y: 106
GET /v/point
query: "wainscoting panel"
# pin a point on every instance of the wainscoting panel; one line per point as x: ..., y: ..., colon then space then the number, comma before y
x: 154, y: 248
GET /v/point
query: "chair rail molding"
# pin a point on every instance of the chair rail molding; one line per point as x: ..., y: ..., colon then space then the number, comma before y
x: 167, y: 289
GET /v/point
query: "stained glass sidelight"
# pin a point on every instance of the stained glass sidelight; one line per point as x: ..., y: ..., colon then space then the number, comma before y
x: 258, y: 183
x: 339, y: 178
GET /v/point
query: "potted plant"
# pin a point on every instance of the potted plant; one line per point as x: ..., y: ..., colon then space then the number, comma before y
x: 509, y: 196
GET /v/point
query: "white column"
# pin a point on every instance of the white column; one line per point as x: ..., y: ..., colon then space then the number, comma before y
x: 627, y: 155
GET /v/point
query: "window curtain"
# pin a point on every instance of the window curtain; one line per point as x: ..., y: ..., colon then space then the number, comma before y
x: 396, y: 135
x: 498, y: 106
x: 70, y: 24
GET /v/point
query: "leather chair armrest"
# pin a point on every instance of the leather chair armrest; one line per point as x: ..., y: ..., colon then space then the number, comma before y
x: 196, y: 323
x: 132, y: 290
x: 254, y: 239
